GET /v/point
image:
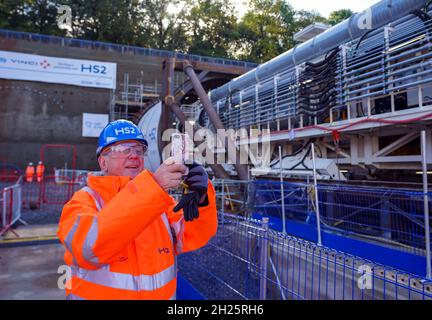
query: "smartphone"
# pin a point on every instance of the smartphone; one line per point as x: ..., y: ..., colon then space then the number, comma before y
x: 181, y: 148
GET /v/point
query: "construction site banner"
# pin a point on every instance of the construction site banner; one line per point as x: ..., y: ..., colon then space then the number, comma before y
x: 30, y: 67
x: 93, y: 124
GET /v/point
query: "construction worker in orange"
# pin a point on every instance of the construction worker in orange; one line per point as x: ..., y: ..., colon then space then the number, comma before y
x: 29, y: 172
x: 40, y: 168
x: 122, y: 231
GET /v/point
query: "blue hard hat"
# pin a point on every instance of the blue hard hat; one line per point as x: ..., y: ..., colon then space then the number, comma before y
x: 119, y: 130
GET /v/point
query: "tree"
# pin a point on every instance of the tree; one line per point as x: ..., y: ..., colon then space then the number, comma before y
x: 268, y: 28
x: 105, y: 20
x: 211, y: 27
x: 296, y: 20
x: 339, y: 15
x: 203, y: 27
x: 161, y: 27
x: 262, y: 30
x: 38, y: 16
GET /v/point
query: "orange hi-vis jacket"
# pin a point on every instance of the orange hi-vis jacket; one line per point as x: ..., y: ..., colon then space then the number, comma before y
x: 40, y: 168
x: 121, y: 238
x: 30, y: 171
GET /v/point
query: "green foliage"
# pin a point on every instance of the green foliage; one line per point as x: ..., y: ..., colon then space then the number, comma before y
x: 268, y: 28
x: 204, y: 27
x: 262, y: 30
x: 159, y: 28
x: 30, y: 15
x: 211, y: 26
x: 105, y: 20
x: 339, y: 15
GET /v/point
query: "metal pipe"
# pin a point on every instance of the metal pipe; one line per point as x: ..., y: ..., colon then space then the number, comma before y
x: 381, y: 14
x: 282, y: 191
x: 214, y: 117
x: 264, y: 258
x: 218, y: 170
x: 278, y: 281
x: 426, y: 205
x: 223, y: 202
x: 316, y: 195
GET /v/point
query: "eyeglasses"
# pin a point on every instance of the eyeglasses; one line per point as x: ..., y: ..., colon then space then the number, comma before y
x: 124, y: 151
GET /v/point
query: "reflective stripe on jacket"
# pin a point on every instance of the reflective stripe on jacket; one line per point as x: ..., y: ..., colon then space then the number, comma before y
x: 118, y: 238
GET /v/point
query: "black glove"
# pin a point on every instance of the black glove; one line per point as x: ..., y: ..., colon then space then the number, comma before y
x: 197, y: 182
x: 189, y: 204
x: 197, y: 179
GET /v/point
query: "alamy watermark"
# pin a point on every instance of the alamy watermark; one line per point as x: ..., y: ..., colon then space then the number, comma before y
x: 64, y: 18
x: 364, y: 282
x: 64, y: 281
x: 225, y: 146
x: 364, y: 20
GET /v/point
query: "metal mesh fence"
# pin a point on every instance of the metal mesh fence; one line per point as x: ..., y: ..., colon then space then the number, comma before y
x: 387, y: 216
x: 246, y: 260
x: 10, y: 205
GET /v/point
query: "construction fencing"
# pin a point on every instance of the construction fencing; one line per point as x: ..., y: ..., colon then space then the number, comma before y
x: 387, y: 216
x: 253, y: 259
x: 52, y: 190
x: 38, y: 202
x: 247, y: 260
x: 10, y: 205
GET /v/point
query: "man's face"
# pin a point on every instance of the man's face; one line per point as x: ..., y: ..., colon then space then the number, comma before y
x: 125, y: 158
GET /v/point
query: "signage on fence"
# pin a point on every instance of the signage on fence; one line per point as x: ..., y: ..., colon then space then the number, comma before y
x: 93, y: 123
x: 30, y: 67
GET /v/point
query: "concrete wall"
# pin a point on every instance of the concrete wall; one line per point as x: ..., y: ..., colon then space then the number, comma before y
x: 34, y: 113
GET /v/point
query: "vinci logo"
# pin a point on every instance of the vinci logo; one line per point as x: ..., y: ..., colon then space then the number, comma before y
x: 29, y: 62
x: 44, y: 64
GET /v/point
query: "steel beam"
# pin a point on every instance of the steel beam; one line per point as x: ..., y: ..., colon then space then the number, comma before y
x: 214, y: 117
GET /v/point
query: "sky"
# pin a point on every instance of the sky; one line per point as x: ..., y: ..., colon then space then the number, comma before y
x: 324, y: 7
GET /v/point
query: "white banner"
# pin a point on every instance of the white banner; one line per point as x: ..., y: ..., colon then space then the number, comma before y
x: 93, y: 123
x: 85, y: 73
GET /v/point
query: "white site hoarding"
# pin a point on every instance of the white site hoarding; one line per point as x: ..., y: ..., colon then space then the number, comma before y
x: 93, y: 123
x: 31, y: 67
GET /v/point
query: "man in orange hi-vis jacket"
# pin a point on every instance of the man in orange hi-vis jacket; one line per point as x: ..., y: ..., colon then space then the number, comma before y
x: 40, y: 168
x: 30, y: 171
x: 122, y: 231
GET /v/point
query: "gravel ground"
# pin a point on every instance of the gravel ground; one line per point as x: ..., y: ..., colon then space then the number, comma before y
x: 48, y: 214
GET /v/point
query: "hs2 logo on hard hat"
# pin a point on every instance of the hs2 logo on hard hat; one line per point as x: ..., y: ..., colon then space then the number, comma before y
x: 126, y: 130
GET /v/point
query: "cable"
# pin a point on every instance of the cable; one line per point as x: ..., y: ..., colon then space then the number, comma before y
x: 360, y: 122
x: 421, y: 14
x: 301, y: 161
x: 426, y: 6
x: 361, y: 39
x: 292, y: 154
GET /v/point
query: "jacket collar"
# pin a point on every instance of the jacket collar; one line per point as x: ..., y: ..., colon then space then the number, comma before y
x: 106, y: 186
